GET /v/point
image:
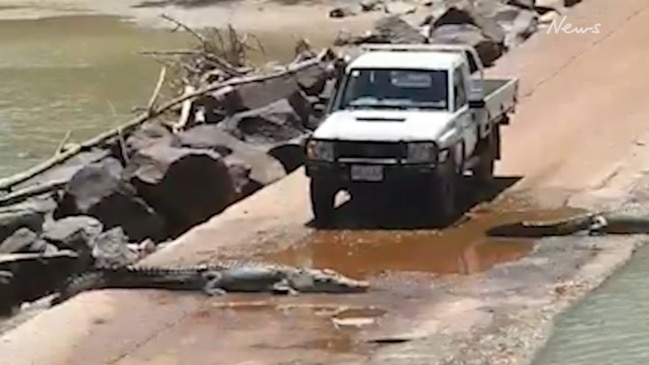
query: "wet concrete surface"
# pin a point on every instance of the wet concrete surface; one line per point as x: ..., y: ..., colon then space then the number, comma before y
x: 461, y: 249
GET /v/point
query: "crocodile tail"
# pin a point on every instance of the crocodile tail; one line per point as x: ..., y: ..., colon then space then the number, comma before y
x: 80, y: 283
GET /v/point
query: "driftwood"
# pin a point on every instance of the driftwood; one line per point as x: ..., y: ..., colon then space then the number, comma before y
x: 156, y: 91
x: 223, y: 87
x: 35, y: 190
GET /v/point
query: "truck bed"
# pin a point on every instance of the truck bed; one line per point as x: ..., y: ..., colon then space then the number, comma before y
x: 500, y: 96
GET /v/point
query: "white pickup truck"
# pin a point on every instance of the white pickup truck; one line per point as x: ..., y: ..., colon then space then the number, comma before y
x: 410, y: 116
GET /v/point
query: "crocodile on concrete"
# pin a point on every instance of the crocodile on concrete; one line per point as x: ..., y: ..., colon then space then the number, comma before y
x: 592, y: 223
x: 214, y: 279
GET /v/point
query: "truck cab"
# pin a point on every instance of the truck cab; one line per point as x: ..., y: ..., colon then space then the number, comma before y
x: 411, y: 116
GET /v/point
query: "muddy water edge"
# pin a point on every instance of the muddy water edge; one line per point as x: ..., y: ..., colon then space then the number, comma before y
x: 81, y: 74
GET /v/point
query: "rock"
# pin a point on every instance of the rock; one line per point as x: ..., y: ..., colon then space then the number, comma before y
x: 276, y: 122
x: 470, y: 35
x: 74, y: 232
x: 148, y: 134
x: 523, y: 26
x: 111, y: 248
x: 29, y: 214
x: 20, y: 241
x: 260, y: 94
x: 239, y: 172
x: 186, y: 186
x: 372, y: 5
x: 400, y: 8
x: 526, y: 4
x: 265, y: 169
x: 342, y: 12
x: 42, y: 246
x: 394, y: 30
x: 312, y: 80
x: 98, y: 191
x: 465, y: 13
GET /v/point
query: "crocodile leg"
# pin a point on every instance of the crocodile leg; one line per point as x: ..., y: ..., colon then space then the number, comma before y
x: 283, y: 287
x: 213, y: 283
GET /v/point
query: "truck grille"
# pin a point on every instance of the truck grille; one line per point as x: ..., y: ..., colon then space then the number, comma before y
x: 370, y: 150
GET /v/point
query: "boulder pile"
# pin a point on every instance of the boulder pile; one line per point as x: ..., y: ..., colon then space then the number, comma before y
x: 491, y: 26
x: 115, y: 202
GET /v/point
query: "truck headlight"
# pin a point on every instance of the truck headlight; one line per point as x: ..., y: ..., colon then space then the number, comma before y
x: 421, y: 152
x: 320, y: 150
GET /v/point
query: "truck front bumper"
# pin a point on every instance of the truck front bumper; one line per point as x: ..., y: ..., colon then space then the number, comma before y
x: 341, y: 173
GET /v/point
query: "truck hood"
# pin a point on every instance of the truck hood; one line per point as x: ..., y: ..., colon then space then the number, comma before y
x: 382, y: 125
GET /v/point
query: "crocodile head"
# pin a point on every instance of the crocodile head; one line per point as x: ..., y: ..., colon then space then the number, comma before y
x: 325, y: 281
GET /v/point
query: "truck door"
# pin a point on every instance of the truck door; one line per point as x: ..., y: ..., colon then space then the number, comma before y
x: 466, y: 119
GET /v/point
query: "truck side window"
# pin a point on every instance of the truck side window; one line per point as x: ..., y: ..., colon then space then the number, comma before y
x: 459, y: 89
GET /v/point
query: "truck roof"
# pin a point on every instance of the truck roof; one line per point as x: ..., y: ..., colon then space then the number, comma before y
x: 408, y: 60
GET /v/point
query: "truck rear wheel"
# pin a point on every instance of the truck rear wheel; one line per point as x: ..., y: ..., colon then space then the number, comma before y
x: 444, y: 200
x: 322, y: 201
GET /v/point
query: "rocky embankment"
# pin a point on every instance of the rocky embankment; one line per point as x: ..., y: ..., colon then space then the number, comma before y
x: 232, y: 130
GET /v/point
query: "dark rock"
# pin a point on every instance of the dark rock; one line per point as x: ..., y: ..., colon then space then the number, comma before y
x: 209, y: 137
x: 526, y: 4
x: 265, y: 169
x: 42, y: 246
x: 260, y: 94
x: 148, y: 134
x: 74, y: 232
x: 291, y: 154
x: 36, y: 274
x: 342, y: 12
x: 465, y: 13
x: 470, y: 35
x: 372, y: 5
x: 20, y: 241
x: 111, y: 248
x: 239, y: 172
x: 394, y: 30
x: 29, y: 214
x: 276, y: 122
x: 98, y: 191
x: 312, y: 79
x: 570, y: 3
x: 186, y: 186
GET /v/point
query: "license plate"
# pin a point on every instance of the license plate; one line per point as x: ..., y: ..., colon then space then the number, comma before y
x: 367, y: 172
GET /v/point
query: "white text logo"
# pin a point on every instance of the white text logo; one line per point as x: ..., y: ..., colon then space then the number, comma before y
x: 567, y: 28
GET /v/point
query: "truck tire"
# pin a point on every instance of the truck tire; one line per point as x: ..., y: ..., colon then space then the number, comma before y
x: 322, y: 201
x: 483, y: 172
x: 444, y: 193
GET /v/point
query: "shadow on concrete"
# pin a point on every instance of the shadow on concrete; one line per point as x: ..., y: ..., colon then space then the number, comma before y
x: 408, y: 211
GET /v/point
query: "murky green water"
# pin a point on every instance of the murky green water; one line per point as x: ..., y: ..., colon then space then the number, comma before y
x: 77, y: 73
x: 610, y: 327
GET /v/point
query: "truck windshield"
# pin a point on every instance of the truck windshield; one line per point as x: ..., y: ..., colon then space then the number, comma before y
x: 395, y: 89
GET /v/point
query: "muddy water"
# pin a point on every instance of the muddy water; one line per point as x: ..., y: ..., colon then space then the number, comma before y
x: 80, y: 74
x: 83, y: 74
x: 610, y: 326
x: 463, y: 249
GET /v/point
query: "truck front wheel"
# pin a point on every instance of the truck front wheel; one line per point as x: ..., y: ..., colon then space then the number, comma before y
x: 444, y: 193
x: 323, y: 201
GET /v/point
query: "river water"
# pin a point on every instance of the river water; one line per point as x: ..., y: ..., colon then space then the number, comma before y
x: 79, y: 73
x: 610, y: 326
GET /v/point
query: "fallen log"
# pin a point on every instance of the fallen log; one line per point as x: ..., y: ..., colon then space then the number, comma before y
x: 224, y: 87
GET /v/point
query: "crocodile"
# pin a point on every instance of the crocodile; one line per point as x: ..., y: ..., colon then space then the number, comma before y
x: 214, y: 279
x: 592, y: 223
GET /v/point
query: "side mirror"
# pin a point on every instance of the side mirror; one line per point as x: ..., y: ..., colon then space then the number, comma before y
x: 479, y: 103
